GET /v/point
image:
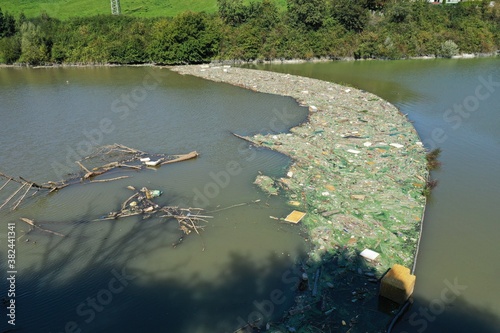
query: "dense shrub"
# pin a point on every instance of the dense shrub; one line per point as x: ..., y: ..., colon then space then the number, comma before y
x: 448, y: 49
x: 257, y: 30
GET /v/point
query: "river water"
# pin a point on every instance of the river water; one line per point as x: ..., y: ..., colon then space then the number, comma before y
x: 124, y: 275
x: 454, y: 105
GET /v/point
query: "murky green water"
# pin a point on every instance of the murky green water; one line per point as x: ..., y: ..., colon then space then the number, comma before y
x: 455, y: 105
x: 124, y: 275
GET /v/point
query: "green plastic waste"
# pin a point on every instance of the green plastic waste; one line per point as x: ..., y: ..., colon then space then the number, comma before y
x: 155, y: 193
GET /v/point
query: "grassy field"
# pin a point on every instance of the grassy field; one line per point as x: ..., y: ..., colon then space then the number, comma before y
x: 63, y: 9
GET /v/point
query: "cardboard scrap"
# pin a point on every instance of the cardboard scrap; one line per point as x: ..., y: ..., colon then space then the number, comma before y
x: 295, y: 216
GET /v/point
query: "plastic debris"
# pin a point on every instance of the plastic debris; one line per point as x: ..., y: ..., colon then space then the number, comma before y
x: 155, y: 193
x: 398, y: 284
x: 329, y: 311
x: 330, y: 187
x: 369, y: 254
x: 151, y: 193
x: 154, y: 163
x: 266, y: 184
x: 376, y: 201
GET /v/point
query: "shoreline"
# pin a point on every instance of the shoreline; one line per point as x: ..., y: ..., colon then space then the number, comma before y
x: 327, y: 59
x: 358, y: 173
x: 216, y: 62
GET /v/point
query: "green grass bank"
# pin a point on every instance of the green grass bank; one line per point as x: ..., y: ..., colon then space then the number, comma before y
x: 64, y: 9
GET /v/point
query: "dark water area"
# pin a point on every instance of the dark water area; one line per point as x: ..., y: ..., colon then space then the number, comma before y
x: 124, y: 275
x: 455, y: 105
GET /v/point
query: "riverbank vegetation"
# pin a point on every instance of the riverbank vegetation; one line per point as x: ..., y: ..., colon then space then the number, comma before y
x: 257, y: 30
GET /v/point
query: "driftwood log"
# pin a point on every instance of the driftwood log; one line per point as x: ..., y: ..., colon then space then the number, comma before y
x: 181, y: 158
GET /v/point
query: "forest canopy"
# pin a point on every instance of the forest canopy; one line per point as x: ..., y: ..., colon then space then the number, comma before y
x: 257, y: 30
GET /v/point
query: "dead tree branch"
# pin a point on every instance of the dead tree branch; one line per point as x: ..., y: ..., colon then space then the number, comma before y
x: 125, y: 158
x: 32, y: 223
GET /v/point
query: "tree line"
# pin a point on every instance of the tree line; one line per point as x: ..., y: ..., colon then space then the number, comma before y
x: 258, y: 31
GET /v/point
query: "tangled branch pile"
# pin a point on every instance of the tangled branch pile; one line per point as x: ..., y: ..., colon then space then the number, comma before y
x: 140, y: 203
x: 114, y: 157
